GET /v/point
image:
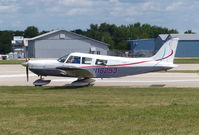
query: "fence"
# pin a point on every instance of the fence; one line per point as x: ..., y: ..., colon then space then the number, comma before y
x: 131, y: 53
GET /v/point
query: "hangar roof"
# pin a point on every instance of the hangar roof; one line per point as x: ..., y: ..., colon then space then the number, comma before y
x: 163, y: 36
x: 55, y: 31
x: 180, y: 36
x: 186, y: 36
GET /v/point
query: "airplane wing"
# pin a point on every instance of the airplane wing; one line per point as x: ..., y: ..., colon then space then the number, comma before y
x: 75, y: 72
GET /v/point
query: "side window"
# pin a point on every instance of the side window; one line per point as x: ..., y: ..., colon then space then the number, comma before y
x: 73, y: 59
x: 86, y: 60
x: 100, y: 62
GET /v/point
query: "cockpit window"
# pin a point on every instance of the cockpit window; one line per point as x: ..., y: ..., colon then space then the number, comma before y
x: 100, y: 62
x: 86, y: 60
x: 74, y: 59
x: 63, y: 59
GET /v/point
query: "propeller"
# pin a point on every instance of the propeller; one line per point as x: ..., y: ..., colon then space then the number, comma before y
x: 27, y: 71
x: 25, y: 64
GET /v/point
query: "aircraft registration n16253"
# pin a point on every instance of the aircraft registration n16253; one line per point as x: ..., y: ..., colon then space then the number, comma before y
x: 87, y: 66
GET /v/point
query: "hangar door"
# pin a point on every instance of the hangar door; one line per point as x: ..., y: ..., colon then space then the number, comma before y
x: 58, y: 48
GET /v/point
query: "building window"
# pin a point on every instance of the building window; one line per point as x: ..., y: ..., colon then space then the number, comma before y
x: 93, y: 50
x: 62, y: 36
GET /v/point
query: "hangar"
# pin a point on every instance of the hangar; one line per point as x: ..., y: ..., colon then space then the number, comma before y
x: 188, y: 45
x: 142, y: 47
x: 57, y: 43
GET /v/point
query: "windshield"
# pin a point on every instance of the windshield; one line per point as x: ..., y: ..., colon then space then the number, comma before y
x: 63, y: 59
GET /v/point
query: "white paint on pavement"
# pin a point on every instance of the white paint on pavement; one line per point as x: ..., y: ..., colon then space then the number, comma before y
x: 129, y: 81
x: 15, y: 75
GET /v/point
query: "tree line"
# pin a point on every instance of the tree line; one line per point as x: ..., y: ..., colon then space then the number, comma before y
x: 117, y: 36
x: 112, y: 34
x: 6, y: 37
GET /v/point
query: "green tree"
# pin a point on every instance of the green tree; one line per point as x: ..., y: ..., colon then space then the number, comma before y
x: 18, y: 33
x: 31, y: 31
x: 108, y: 39
x: 189, y: 32
x: 43, y: 32
x: 5, y: 41
x: 117, y: 36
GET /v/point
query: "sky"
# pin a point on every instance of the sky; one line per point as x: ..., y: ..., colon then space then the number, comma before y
x: 182, y: 15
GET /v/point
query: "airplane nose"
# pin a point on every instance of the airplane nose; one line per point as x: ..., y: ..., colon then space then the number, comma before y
x: 25, y: 64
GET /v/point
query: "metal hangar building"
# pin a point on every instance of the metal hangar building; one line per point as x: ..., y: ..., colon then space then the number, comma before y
x: 57, y: 43
x: 188, y: 45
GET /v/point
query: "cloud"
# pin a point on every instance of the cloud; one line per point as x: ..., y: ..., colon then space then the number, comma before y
x: 77, y: 11
x: 8, y: 8
x: 54, y: 13
x: 174, y: 6
x: 84, y: 3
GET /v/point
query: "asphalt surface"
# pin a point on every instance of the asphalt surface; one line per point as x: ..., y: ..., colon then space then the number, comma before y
x: 14, y: 75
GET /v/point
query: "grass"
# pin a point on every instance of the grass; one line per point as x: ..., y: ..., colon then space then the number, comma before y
x: 98, y: 111
x: 182, y: 71
x: 187, y: 61
x: 176, y: 61
x: 11, y: 61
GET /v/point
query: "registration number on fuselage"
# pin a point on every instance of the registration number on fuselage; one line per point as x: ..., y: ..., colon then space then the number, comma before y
x: 105, y: 70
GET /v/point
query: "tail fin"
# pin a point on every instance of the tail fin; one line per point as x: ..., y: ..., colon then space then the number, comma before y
x: 167, y: 51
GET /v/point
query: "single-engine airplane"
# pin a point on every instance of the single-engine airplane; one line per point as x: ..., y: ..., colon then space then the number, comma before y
x: 87, y: 66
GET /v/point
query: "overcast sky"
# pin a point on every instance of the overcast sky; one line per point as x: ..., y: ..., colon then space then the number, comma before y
x: 79, y: 14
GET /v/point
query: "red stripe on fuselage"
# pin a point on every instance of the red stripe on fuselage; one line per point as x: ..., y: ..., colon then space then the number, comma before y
x: 129, y: 63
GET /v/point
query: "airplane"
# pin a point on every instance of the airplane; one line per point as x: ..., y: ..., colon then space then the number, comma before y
x: 85, y: 67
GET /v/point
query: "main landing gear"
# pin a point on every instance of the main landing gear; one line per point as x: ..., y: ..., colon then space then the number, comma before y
x: 81, y: 82
x: 41, y: 82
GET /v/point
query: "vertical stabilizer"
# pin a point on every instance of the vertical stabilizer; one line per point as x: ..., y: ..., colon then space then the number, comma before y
x: 167, y: 51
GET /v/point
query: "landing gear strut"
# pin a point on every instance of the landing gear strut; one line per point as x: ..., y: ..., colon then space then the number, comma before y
x: 41, y: 82
x: 80, y: 82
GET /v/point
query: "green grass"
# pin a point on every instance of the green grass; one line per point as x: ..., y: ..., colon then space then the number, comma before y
x: 182, y: 71
x: 11, y: 61
x: 98, y: 111
x: 187, y: 61
x: 176, y: 61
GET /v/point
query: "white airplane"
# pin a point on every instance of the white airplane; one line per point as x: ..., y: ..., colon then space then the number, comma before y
x: 87, y: 66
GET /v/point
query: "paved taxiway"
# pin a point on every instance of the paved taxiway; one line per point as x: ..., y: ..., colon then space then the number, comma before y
x: 14, y: 75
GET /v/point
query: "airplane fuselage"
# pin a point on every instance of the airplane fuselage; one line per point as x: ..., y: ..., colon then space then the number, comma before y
x: 86, y: 66
x: 115, y: 66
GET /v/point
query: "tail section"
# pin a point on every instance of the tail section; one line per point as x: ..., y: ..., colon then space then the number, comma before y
x: 167, y: 51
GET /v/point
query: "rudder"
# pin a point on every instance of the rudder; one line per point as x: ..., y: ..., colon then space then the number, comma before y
x: 167, y: 52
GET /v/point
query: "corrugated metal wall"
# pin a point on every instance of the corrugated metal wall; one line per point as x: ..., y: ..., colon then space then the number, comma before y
x: 145, y: 44
x: 52, y: 46
x: 58, y: 48
x: 188, y: 49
